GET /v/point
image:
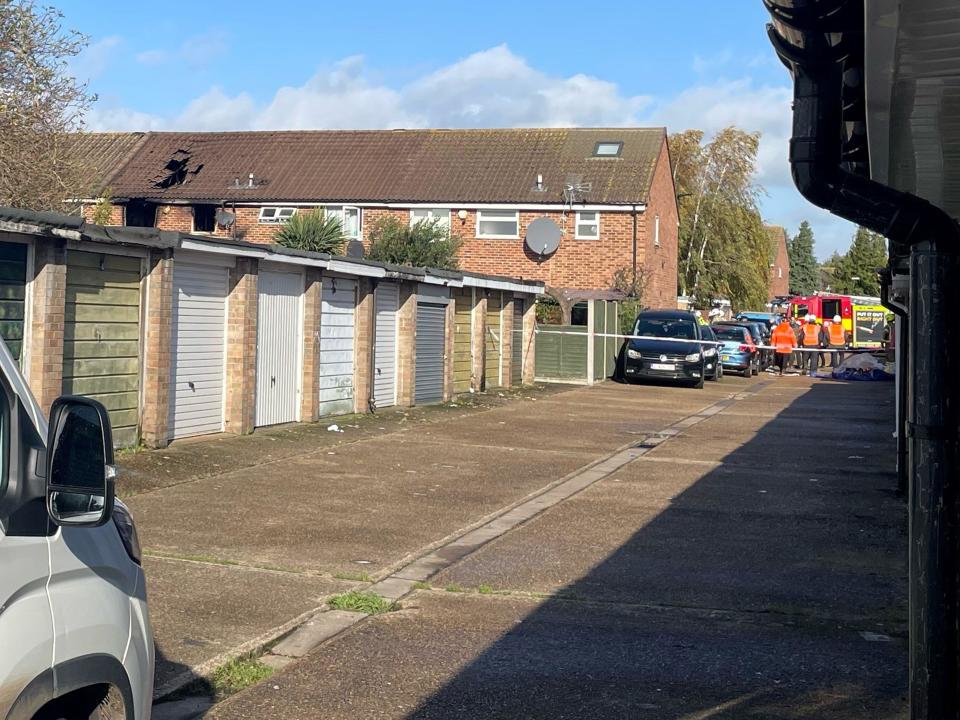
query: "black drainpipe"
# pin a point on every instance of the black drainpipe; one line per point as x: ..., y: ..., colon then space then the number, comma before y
x: 903, y: 371
x: 932, y: 239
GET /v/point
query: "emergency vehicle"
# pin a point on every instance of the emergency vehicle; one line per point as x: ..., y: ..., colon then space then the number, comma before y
x: 863, y: 317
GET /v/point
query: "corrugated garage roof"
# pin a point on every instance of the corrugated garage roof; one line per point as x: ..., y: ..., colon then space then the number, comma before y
x: 471, y: 166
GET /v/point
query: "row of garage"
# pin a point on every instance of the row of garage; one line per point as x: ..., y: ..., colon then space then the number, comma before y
x: 180, y: 336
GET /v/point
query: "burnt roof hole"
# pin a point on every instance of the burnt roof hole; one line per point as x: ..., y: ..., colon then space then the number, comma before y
x: 177, y: 171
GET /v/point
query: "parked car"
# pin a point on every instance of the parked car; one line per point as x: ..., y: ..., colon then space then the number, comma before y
x: 73, y: 612
x: 771, y: 320
x: 738, y: 353
x: 656, y: 357
x: 761, y: 336
x: 711, y: 355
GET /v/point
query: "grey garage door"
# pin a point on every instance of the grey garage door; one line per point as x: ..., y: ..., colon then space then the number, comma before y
x: 385, y: 351
x: 336, y: 345
x: 431, y: 326
x: 516, y: 361
x: 13, y: 278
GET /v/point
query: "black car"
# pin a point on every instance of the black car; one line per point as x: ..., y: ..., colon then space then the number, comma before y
x: 682, y: 359
x: 711, y: 353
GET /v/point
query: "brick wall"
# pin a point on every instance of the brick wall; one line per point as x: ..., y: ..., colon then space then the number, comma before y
x: 406, y: 344
x: 241, y: 376
x: 660, y: 263
x: 157, y: 351
x: 175, y: 217
x: 116, y: 214
x: 45, y: 371
x: 310, y: 390
x: 780, y: 269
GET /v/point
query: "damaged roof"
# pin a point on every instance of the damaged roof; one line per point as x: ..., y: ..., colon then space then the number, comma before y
x: 444, y: 166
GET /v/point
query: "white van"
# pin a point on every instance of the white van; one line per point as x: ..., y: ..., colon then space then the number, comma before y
x: 75, y: 638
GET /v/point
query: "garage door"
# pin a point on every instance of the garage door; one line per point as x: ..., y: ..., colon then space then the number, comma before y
x: 278, y: 346
x: 462, y: 339
x: 492, y: 373
x: 387, y: 299
x: 13, y: 280
x: 431, y: 326
x: 101, y: 337
x: 197, y: 358
x: 336, y: 346
x: 516, y: 364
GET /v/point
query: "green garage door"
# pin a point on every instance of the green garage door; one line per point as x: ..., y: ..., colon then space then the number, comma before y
x: 102, y: 336
x: 13, y: 280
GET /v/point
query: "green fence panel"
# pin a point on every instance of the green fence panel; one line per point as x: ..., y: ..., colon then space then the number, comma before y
x: 562, y: 356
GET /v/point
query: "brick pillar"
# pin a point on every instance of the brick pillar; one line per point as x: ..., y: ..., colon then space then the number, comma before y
x: 450, y: 332
x: 506, y: 340
x: 241, y: 380
x: 49, y: 288
x: 363, y: 346
x: 479, y: 342
x: 155, y: 414
x: 407, y: 344
x: 310, y: 383
x: 530, y: 340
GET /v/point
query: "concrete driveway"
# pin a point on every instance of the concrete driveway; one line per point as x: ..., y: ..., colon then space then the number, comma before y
x: 749, y: 564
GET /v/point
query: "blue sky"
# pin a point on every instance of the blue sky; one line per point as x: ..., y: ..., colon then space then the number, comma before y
x: 244, y: 65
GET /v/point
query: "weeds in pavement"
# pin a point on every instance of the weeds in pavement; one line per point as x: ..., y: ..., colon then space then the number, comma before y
x: 418, y: 585
x: 365, y: 602
x: 355, y: 576
x: 484, y: 589
x: 454, y: 587
x: 238, y: 674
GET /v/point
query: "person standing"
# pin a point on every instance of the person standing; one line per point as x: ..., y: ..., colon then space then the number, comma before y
x: 810, y: 342
x: 837, y: 340
x: 797, y: 356
x: 784, y: 342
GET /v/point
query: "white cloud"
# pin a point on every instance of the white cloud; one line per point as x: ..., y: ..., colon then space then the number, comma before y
x: 95, y: 58
x: 152, y: 57
x: 706, y: 64
x: 197, y: 51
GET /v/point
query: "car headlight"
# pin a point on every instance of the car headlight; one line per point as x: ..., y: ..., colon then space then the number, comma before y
x: 635, y: 354
x: 127, y: 529
x: 710, y: 352
x: 692, y: 357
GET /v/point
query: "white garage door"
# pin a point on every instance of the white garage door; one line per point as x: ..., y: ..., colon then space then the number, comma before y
x: 336, y: 346
x: 197, y: 362
x: 278, y: 346
x: 387, y: 299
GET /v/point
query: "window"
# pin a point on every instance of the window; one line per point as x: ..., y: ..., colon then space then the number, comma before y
x: 204, y: 218
x: 779, y: 272
x: 656, y: 231
x: 498, y: 224
x: 429, y: 215
x: 579, y: 313
x: 349, y: 217
x: 588, y: 226
x: 140, y: 213
x: 276, y: 215
x: 608, y: 149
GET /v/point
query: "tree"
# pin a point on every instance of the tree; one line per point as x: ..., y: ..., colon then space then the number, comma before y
x: 856, y: 272
x: 41, y: 106
x: 804, y: 276
x: 724, y: 249
x: 427, y: 243
x: 313, y: 231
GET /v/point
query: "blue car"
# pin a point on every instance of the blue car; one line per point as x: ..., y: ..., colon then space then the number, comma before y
x: 738, y: 352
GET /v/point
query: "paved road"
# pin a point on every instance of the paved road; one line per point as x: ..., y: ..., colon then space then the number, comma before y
x: 750, y: 566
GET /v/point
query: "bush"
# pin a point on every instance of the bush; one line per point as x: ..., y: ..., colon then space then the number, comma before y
x: 312, y: 231
x: 425, y: 244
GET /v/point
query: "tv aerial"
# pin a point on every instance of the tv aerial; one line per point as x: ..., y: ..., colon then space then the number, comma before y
x: 543, y: 236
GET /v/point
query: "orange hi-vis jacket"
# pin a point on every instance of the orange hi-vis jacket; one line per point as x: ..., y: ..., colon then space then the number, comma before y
x: 811, y: 335
x: 783, y: 338
x: 838, y: 337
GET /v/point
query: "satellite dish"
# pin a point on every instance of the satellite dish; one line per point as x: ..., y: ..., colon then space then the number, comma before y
x: 226, y: 218
x: 355, y: 249
x: 543, y: 236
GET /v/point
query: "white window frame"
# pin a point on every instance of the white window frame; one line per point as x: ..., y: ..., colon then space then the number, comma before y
x: 656, y: 231
x: 576, y: 231
x: 485, y: 236
x: 340, y: 211
x: 440, y: 214
x: 276, y: 219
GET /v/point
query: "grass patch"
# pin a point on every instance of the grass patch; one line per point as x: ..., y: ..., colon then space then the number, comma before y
x: 484, y: 589
x: 238, y: 674
x: 420, y: 585
x: 454, y: 587
x: 355, y: 576
x: 365, y: 602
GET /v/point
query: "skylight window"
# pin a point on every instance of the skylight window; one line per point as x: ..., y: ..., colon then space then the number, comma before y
x: 607, y: 149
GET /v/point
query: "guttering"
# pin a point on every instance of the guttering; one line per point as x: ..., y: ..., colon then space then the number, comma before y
x: 598, y: 207
x: 348, y: 268
x: 206, y: 246
x: 508, y: 285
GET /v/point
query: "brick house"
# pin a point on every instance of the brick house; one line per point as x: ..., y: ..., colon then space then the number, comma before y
x: 610, y: 191
x: 779, y: 262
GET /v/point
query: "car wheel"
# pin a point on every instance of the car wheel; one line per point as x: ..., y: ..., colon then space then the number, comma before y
x: 719, y: 371
x: 748, y: 371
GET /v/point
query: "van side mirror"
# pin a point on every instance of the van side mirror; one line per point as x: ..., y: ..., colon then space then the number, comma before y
x: 81, y: 476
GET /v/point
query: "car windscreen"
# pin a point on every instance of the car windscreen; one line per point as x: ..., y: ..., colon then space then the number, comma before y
x: 730, y: 333
x: 666, y: 328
